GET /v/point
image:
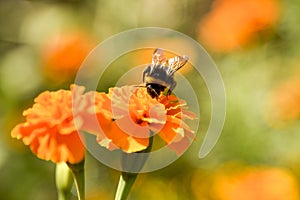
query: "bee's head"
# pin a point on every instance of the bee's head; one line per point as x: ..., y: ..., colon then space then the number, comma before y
x: 154, y: 90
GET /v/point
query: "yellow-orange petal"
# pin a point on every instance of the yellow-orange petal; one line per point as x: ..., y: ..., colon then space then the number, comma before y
x: 176, y: 134
x: 50, y: 130
x: 126, y: 115
x: 181, y: 146
x: 119, y: 138
x: 168, y: 132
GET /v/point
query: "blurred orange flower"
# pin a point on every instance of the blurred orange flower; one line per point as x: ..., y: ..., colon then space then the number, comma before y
x: 63, y: 54
x: 256, y: 183
x: 233, y: 23
x: 126, y: 115
x: 49, y: 129
x: 284, y: 102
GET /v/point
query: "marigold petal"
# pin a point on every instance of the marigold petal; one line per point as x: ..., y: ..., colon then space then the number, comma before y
x: 16, y: 132
x: 168, y: 131
x: 189, y: 115
x: 137, y: 144
x: 176, y: 134
x: 50, y: 130
x: 124, y: 117
x: 125, y: 142
x: 132, y: 128
x: 181, y: 146
x: 59, y: 148
x: 112, y: 136
x: 107, y: 143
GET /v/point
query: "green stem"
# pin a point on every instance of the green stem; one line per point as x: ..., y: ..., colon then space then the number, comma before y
x: 135, y: 162
x: 126, y: 181
x: 63, y: 196
x: 64, y: 181
x: 79, y: 177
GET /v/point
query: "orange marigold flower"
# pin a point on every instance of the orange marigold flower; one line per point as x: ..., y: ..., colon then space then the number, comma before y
x: 284, y: 102
x: 256, y: 183
x: 63, y: 54
x: 233, y: 23
x: 128, y: 114
x: 49, y: 129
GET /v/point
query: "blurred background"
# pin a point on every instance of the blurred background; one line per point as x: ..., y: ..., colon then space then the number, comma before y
x: 255, y: 44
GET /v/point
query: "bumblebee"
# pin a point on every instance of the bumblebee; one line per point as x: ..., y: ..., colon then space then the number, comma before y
x: 159, y: 76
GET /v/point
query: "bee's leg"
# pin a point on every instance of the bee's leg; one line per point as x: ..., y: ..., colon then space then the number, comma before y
x: 146, y: 71
x: 170, y: 90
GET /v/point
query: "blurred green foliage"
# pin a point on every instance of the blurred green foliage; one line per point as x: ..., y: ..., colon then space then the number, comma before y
x: 250, y: 73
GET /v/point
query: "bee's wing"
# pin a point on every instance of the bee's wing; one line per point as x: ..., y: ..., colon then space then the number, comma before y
x: 177, y: 62
x: 158, y: 56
